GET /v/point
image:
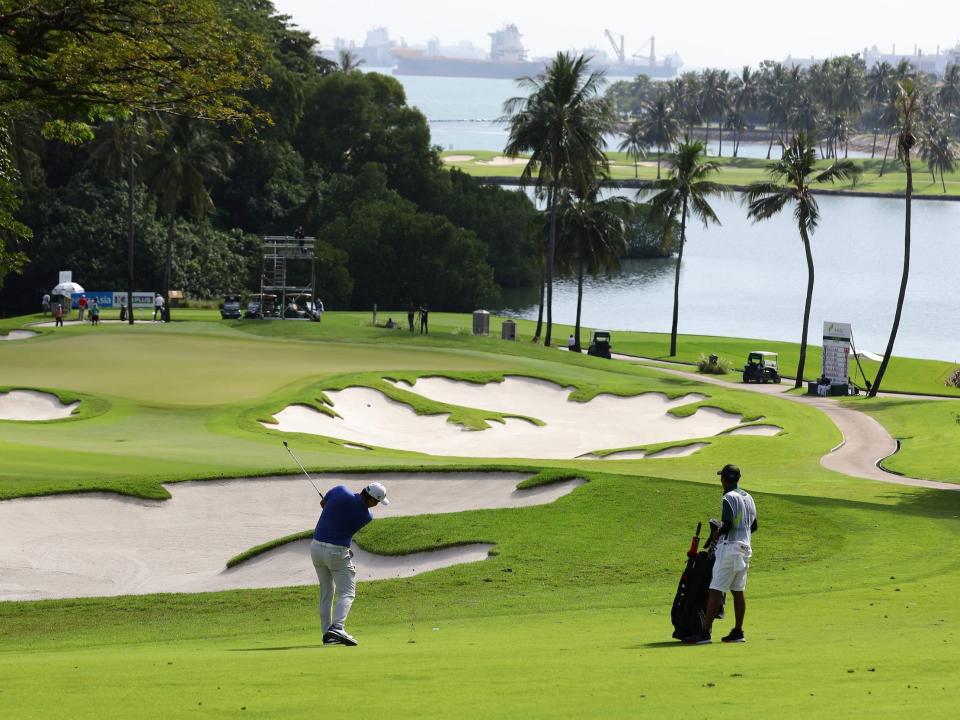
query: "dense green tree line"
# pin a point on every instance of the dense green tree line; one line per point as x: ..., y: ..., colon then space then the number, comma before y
x: 828, y: 102
x: 335, y: 151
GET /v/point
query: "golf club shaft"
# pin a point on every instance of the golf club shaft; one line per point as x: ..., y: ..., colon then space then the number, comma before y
x: 297, y: 460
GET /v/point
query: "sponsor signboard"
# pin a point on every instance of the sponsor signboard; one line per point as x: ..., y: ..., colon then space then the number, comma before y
x: 836, y: 351
x: 65, y: 277
x: 108, y: 299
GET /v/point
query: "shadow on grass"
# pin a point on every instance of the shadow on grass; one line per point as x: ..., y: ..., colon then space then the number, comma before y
x: 278, y: 649
x: 655, y: 645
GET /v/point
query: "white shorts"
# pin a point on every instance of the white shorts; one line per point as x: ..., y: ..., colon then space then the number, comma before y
x: 730, y: 567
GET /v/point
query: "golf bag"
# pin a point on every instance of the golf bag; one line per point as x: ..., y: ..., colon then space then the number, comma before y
x: 690, y: 603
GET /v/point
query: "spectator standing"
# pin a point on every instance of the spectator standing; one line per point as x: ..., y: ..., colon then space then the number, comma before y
x: 410, y: 312
x: 57, y: 315
x: 81, y: 307
x: 424, y: 317
x: 45, y: 303
x: 158, y: 307
x: 94, y: 312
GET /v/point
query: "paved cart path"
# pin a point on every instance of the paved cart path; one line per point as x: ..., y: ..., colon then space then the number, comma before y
x: 865, y: 441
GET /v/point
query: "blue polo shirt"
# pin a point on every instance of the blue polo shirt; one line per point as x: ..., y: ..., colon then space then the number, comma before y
x: 344, y: 513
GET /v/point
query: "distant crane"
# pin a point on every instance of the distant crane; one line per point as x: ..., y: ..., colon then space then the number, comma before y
x: 617, y: 48
x: 652, y: 42
x: 621, y: 55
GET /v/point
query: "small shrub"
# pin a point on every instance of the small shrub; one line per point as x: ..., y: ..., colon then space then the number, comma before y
x: 720, y: 367
x: 953, y: 380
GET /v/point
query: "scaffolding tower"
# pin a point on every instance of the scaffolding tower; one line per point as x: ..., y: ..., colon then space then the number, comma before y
x: 280, y: 254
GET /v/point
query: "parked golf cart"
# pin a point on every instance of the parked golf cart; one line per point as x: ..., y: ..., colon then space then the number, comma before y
x: 261, y: 306
x: 600, y: 344
x: 761, y: 367
x: 301, y: 307
x: 230, y: 307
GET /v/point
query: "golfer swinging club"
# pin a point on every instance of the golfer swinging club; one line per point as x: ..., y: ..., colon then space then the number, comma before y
x: 739, y: 520
x: 344, y: 513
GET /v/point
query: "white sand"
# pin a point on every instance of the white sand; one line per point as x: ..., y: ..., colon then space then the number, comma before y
x: 671, y: 452
x: 33, y: 405
x: 572, y: 428
x: 500, y: 161
x: 458, y: 158
x: 768, y: 430
x: 18, y: 335
x: 102, y: 544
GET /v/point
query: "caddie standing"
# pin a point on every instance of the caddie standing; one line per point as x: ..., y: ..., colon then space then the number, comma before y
x: 344, y: 513
x: 734, y: 549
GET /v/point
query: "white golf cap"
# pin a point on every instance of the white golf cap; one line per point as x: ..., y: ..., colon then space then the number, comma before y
x: 378, y: 492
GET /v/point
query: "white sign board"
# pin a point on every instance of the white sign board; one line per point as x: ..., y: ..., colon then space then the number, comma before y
x: 65, y: 277
x: 836, y: 351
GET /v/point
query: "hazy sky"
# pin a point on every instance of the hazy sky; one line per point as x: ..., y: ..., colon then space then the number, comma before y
x: 703, y: 33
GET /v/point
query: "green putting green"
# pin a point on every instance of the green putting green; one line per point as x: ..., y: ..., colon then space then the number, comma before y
x: 849, y: 609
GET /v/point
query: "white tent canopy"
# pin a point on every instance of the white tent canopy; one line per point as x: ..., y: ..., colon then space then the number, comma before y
x: 67, y: 288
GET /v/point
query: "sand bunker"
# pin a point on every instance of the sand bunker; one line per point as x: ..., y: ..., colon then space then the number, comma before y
x: 571, y: 429
x: 102, y: 544
x: 768, y: 430
x: 18, y: 335
x: 501, y: 161
x: 33, y: 405
x: 457, y: 158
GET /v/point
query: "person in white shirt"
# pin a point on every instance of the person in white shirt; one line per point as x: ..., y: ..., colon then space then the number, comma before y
x: 738, y: 523
x: 158, y: 307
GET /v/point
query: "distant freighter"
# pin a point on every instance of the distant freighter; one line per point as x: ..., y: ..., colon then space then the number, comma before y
x: 508, y: 61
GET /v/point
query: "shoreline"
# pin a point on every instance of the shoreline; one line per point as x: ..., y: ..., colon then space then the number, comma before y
x: 508, y: 181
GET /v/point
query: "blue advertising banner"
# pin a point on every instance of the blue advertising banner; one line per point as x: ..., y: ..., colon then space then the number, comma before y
x: 107, y: 300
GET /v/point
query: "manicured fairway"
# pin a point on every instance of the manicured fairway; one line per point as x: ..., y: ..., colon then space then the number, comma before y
x: 737, y: 171
x: 850, y: 610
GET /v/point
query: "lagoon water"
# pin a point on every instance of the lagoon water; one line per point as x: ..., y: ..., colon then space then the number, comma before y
x: 742, y: 279
x: 748, y: 280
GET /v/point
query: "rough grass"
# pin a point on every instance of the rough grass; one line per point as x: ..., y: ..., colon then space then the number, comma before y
x: 929, y: 435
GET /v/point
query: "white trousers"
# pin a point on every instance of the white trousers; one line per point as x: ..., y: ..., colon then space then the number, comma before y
x: 337, y: 576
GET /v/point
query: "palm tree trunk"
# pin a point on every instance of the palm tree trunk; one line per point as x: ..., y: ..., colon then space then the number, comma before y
x: 131, y: 179
x: 806, y: 304
x: 543, y: 284
x: 168, y: 261
x: 720, y: 130
x: 885, y: 153
x: 873, y: 152
x: 676, y: 280
x: 576, y: 336
x: 770, y: 146
x: 551, y: 256
x: 888, y: 353
x: 659, y: 155
x: 942, y: 181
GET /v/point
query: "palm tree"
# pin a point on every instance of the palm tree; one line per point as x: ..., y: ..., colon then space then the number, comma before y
x: 714, y: 89
x: 685, y: 193
x: 119, y: 155
x: 635, y: 145
x: 792, y: 178
x: 746, y: 96
x: 561, y: 123
x: 937, y: 149
x: 188, y: 157
x: 595, y: 237
x: 660, y: 125
x: 349, y: 60
x: 878, y: 88
x: 908, y: 99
